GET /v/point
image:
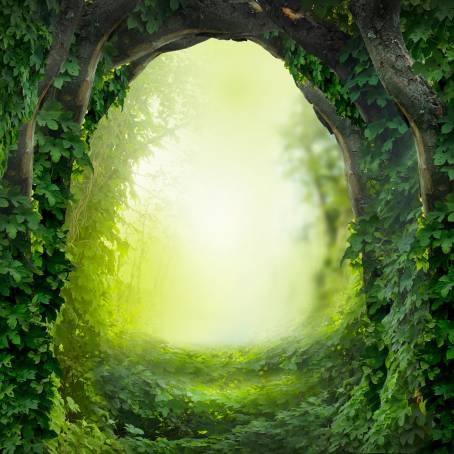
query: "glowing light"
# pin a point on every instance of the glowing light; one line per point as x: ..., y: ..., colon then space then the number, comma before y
x: 215, y: 214
x: 230, y: 270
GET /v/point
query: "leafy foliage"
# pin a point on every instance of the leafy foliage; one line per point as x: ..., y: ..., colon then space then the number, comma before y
x: 376, y: 379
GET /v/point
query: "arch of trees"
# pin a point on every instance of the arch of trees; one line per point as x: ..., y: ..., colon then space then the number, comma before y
x: 379, y: 75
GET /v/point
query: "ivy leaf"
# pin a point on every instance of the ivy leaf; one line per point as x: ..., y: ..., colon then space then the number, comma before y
x: 52, y: 124
x: 152, y: 26
x: 373, y: 129
x: 133, y: 430
x: 11, y: 230
x: 71, y: 67
x: 451, y: 173
x: 12, y: 321
x: 15, y: 338
x: 3, y: 341
x: 72, y: 405
x: 422, y: 407
x: 447, y: 128
x: 132, y: 22
x: 446, y: 245
x: 444, y: 10
x: 59, y: 81
x: 55, y: 154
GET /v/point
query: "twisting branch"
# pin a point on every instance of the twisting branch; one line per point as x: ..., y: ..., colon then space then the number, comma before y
x: 219, y: 19
x: 20, y: 163
x: 349, y: 138
x: 138, y: 65
x: 68, y: 21
x: 98, y: 22
x: 379, y: 24
x: 347, y: 135
x: 326, y: 42
x: 322, y: 39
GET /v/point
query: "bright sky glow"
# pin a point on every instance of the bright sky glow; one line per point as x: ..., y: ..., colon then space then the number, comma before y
x: 216, y: 214
x: 227, y: 266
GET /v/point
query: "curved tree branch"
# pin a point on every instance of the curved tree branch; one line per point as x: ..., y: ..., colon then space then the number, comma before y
x: 326, y: 42
x: 20, y: 163
x: 138, y: 65
x: 220, y: 20
x: 348, y: 136
x: 322, y: 39
x: 67, y: 23
x: 379, y: 23
x: 350, y: 140
x: 99, y: 20
x: 188, y: 27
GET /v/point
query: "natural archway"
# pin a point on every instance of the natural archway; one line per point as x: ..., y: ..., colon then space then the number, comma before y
x: 354, y: 62
x: 237, y: 266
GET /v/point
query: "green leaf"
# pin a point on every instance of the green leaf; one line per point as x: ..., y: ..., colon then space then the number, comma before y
x: 447, y: 128
x: 55, y: 154
x: 450, y: 353
x: 422, y: 407
x: 15, y: 338
x: 12, y: 321
x: 52, y: 124
x: 133, y: 430
x: 59, y: 81
x: 72, y: 405
x: 152, y: 26
x: 72, y: 67
x: 11, y: 230
x: 132, y: 22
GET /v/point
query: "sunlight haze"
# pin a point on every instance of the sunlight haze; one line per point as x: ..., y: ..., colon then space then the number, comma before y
x: 232, y: 268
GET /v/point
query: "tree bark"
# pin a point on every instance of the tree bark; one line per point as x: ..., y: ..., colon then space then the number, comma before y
x: 350, y: 140
x: 322, y: 39
x: 98, y: 22
x: 19, y: 171
x: 222, y: 21
x: 379, y: 24
x: 138, y: 65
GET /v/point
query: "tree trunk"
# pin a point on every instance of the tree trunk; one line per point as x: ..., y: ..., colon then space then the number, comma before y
x: 379, y: 24
x: 19, y: 171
